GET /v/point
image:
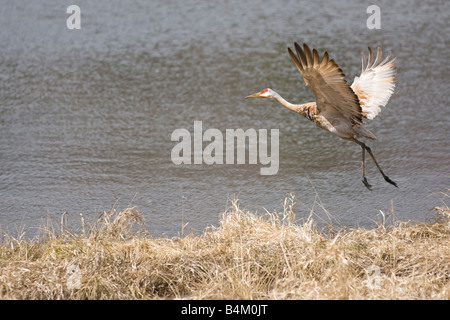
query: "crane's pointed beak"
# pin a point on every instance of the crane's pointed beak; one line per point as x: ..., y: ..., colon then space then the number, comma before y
x: 255, y: 95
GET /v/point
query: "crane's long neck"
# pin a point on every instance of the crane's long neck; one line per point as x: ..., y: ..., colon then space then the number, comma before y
x: 307, y: 109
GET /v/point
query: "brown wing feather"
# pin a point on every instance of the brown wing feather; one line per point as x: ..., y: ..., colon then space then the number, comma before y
x: 301, y: 55
x: 307, y: 52
x: 324, y: 59
x: 327, y: 81
x: 316, y: 58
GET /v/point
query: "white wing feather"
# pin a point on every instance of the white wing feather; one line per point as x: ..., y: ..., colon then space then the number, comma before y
x: 376, y: 83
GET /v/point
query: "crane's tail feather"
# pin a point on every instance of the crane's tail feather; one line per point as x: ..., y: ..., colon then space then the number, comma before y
x: 363, y: 132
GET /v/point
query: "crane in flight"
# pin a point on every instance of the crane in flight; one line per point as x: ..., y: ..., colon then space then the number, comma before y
x: 340, y: 108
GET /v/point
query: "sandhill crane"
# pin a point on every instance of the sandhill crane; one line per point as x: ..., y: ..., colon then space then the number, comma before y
x: 340, y: 108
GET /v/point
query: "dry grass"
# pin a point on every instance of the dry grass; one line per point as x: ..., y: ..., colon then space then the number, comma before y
x: 248, y: 256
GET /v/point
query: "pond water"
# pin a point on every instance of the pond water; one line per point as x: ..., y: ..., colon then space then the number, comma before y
x: 86, y: 116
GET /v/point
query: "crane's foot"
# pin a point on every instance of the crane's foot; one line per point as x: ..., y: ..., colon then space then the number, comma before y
x: 390, y: 181
x: 367, y: 184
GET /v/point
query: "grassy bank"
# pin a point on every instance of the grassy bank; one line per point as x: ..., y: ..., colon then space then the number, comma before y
x: 248, y: 256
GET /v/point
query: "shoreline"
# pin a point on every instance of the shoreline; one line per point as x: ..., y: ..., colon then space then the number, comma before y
x: 248, y: 256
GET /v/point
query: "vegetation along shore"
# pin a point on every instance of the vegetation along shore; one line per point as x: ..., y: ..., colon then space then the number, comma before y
x: 247, y: 256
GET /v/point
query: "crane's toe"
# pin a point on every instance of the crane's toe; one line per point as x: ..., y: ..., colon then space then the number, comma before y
x: 367, y: 184
x: 390, y: 181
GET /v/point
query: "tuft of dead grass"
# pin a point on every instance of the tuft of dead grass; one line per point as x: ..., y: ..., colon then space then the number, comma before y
x: 248, y: 256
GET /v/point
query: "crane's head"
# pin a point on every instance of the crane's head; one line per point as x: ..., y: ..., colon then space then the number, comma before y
x: 266, y: 93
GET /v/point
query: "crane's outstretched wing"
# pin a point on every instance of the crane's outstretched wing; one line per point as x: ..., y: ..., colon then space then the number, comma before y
x: 376, y: 83
x: 327, y: 81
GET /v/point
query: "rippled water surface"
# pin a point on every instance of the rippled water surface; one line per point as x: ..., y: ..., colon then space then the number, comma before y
x: 86, y: 116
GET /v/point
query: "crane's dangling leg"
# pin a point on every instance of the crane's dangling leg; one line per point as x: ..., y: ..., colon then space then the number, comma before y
x: 364, y: 147
x: 366, y: 183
